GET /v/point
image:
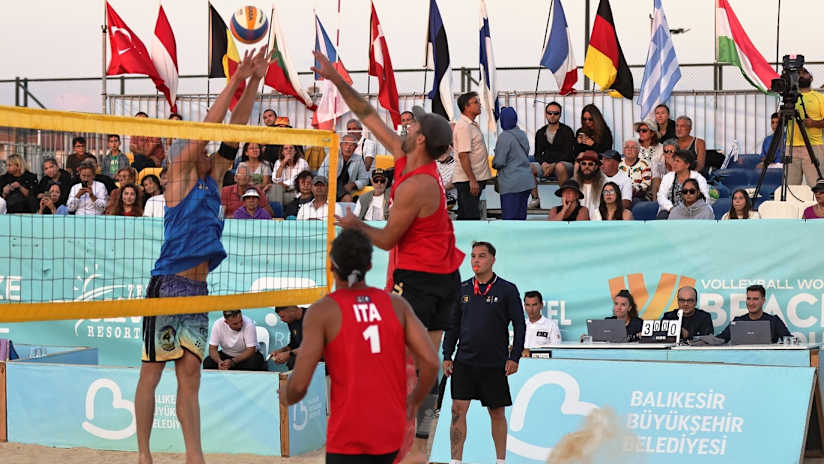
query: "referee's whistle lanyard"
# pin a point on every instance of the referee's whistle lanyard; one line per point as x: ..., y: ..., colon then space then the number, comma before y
x: 476, y: 289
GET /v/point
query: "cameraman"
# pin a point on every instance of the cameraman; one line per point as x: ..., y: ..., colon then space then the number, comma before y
x: 811, y: 108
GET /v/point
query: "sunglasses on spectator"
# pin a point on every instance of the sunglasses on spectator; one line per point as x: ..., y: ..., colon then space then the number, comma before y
x: 609, y: 192
x: 379, y: 181
x: 643, y: 130
x: 553, y: 113
x: 689, y: 191
x: 669, y: 151
x: 586, y: 163
x: 587, y: 119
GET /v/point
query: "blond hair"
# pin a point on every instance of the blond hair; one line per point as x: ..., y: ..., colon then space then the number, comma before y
x: 17, y: 160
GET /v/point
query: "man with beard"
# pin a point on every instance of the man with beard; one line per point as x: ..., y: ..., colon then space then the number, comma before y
x: 589, y: 176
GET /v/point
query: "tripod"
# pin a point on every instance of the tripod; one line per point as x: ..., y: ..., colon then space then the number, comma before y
x: 787, y: 116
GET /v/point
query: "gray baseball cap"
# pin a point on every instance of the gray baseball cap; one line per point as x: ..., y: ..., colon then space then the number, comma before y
x: 433, y: 126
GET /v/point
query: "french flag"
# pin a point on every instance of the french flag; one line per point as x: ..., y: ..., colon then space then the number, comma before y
x: 331, y: 105
x: 557, y: 56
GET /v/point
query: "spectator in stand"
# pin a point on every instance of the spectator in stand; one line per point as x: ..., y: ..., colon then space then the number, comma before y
x: 270, y: 153
x: 637, y: 170
x: 148, y: 153
x: 156, y: 204
x: 683, y: 127
x: 694, y: 322
x: 129, y: 202
x: 175, y: 117
x: 87, y: 197
x: 18, y: 186
x: 811, y: 108
x: 555, y: 145
x: 352, y: 175
x: 765, y: 146
x: 594, y: 134
x: 151, y: 187
x: 292, y: 316
x: 625, y: 309
x: 756, y: 297
x: 79, y: 154
x: 741, y: 207
x: 541, y: 331
x: 50, y: 202
x: 665, y: 127
x: 446, y: 166
x: 230, y: 196
x: 107, y: 181
x: 286, y: 170
x: 817, y: 210
x: 316, y: 209
x: 236, y: 335
x: 259, y: 170
x: 251, y: 206
x: 374, y: 205
x: 2, y: 206
x: 407, y: 118
x: 589, y: 177
x: 650, y: 149
x: 125, y: 176
x: 114, y: 160
x: 664, y: 166
x: 611, y: 207
x: 515, y: 179
x: 472, y: 170
x: 669, y: 194
x: 365, y: 147
x: 53, y: 174
x: 571, y: 208
x: 694, y: 204
x: 609, y: 167
x: 304, y: 195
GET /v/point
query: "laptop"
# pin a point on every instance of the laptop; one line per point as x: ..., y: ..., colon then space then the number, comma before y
x: 750, y: 333
x: 607, y: 330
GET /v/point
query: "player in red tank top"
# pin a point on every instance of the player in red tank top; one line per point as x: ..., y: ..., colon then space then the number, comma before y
x: 424, y: 262
x: 363, y: 334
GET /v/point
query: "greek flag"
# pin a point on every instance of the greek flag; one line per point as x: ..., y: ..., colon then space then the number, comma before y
x: 662, y: 71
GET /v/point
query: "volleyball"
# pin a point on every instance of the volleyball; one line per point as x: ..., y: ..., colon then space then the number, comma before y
x: 249, y: 24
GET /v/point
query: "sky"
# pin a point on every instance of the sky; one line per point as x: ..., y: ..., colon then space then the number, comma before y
x: 50, y: 38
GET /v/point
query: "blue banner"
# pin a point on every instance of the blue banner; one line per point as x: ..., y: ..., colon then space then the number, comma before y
x: 675, y: 412
x: 90, y: 406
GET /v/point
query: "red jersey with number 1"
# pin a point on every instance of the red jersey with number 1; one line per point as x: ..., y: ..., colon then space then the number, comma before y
x: 367, y: 367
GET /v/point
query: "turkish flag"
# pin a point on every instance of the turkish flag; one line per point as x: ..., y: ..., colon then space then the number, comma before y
x: 380, y: 66
x: 129, y: 55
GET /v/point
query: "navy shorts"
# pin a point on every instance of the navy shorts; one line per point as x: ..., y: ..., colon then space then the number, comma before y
x: 165, y: 337
x: 488, y: 384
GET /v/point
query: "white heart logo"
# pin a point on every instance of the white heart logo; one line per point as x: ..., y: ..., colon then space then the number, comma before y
x: 571, y: 405
x: 117, y: 403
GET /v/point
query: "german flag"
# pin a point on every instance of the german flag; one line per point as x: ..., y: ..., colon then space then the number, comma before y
x: 605, y: 63
x: 223, y: 56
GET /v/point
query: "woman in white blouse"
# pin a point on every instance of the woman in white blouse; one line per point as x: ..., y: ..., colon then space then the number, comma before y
x: 289, y: 164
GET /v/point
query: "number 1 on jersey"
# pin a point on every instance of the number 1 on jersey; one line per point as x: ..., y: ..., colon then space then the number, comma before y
x: 371, y: 333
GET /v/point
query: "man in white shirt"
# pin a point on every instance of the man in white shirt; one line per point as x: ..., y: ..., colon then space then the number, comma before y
x: 317, y: 209
x: 540, y: 331
x: 365, y: 147
x: 88, y: 197
x: 236, y: 335
x: 609, y: 166
x: 472, y: 170
x: 374, y: 205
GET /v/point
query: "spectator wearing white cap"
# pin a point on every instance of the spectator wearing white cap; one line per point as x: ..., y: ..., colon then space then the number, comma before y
x: 251, y: 206
x: 609, y: 167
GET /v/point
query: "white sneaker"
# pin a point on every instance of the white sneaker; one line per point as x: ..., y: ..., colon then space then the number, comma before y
x: 534, y: 203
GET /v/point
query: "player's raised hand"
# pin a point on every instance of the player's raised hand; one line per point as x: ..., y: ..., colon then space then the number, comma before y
x: 261, y: 62
x: 326, y: 69
x: 246, y: 66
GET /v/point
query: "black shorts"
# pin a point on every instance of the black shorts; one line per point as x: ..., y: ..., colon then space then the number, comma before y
x: 432, y: 296
x: 488, y: 384
x: 336, y: 458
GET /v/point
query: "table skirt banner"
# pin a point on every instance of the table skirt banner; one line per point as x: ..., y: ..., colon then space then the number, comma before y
x: 675, y: 412
x: 89, y: 406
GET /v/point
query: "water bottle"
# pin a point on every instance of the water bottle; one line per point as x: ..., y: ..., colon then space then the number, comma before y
x: 734, y: 150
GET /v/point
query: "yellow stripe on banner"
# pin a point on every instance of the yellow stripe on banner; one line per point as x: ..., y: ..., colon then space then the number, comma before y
x: 599, y: 68
x: 28, y: 312
x: 30, y: 118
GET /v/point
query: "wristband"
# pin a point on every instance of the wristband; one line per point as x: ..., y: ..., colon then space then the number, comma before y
x: 227, y: 151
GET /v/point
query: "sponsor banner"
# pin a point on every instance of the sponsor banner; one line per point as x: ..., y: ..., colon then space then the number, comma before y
x: 307, y: 418
x: 93, y: 407
x: 577, y: 267
x: 676, y: 412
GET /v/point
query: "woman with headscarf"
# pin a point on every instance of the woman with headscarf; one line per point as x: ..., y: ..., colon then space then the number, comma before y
x: 515, y: 179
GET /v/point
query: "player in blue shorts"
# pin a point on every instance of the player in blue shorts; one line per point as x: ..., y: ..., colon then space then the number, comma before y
x: 193, y: 225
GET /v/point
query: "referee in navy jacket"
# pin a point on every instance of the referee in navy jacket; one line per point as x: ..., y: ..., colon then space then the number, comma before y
x: 479, y: 325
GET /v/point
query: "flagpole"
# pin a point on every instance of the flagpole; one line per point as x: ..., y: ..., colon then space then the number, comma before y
x: 268, y: 59
x: 369, y: 47
x: 715, y: 68
x: 777, y: 33
x: 103, y: 30
x: 546, y: 33
x: 209, y: 57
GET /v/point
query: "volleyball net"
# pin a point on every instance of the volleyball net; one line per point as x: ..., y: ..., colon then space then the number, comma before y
x: 76, y: 244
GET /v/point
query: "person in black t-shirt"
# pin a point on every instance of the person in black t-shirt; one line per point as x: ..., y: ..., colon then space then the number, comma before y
x: 625, y: 309
x: 694, y: 321
x: 756, y: 297
x: 293, y: 317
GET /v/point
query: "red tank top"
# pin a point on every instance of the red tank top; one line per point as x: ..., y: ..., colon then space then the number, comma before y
x: 429, y: 243
x: 367, y: 367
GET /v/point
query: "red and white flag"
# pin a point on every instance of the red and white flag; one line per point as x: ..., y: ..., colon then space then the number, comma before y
x: 164, y: 58
x: 331, y: 105
x: 129, y: 55
x: 380, y: 66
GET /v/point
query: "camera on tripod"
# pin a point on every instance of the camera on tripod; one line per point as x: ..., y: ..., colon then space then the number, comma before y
x: 787, y: 84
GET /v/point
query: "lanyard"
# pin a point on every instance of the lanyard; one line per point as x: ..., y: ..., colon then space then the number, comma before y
x: 476, y: 289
